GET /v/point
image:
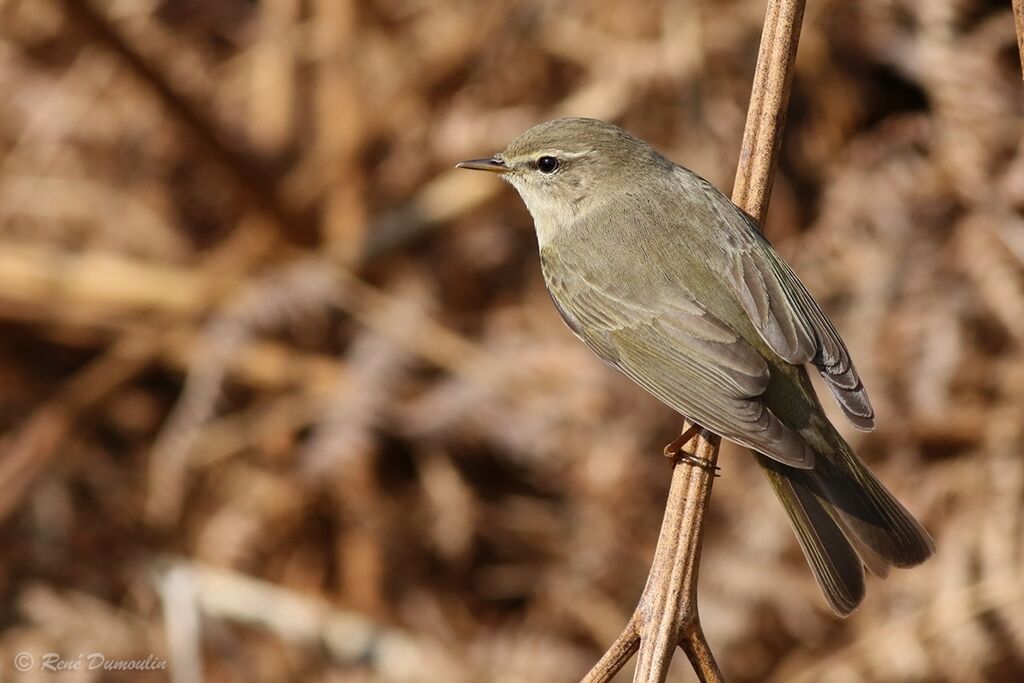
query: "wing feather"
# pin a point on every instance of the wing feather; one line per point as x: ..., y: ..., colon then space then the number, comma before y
x: 793, y: 325
x: 784, y: 313
x: 827, y: 350
x: 682, y: 355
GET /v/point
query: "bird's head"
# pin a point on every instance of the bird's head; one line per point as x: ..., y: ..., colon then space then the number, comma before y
x: 564, y: 167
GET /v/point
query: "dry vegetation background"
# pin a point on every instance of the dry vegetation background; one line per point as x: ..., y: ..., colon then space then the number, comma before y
x: 284, y: 398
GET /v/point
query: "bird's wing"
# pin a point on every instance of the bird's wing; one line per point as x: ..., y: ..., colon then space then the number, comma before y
x: 682, y: 355
x: 786, y: 316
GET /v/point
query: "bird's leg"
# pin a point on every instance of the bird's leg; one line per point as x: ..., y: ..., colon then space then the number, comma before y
x: 676, y: 452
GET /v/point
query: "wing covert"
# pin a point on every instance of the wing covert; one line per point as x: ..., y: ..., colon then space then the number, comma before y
x: 682, y: 355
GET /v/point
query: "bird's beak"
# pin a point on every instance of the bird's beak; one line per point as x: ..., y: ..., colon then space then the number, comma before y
x: 494, y: 165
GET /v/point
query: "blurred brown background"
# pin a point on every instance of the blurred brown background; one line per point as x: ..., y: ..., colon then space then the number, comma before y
x: 284, y: 398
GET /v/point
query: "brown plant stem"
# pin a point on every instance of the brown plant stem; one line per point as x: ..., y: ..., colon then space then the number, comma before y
x: 766, y: 114
x: 1018, y: 20
x: 668, y: 606
x: 666, y: 616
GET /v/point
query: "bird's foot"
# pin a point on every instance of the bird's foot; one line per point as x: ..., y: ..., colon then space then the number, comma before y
x: 676, y: 451
x: 702, y: 463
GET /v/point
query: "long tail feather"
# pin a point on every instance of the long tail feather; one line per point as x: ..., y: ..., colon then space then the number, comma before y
x: 845, y: 519
x: 836, y: 566
x: 869, y: 511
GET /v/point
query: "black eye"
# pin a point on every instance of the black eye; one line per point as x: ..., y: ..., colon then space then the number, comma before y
x: 547, y: 164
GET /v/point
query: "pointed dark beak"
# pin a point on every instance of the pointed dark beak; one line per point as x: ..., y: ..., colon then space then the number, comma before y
x: 494, y: 165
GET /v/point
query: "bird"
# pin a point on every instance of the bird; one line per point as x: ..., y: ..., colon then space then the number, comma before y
x: 673, y: 285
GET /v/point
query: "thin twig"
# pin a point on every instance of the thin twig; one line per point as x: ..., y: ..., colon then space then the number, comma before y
x: 182, y: 621
x: 251, y: 173
x: 667, y: 614
x: 1018, y: 20
x: 621, y: 651
x: 346, y: 636
x: 37, y: 443
x: 767, y: 113
x: 668, y: 607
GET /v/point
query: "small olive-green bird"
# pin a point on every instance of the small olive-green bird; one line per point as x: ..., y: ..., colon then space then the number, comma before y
x: 670, y: 283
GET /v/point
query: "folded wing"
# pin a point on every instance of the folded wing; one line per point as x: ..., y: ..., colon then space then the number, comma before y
x: 682, y: 355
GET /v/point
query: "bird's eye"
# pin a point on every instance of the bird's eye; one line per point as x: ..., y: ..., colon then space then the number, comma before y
x: 547, y: 164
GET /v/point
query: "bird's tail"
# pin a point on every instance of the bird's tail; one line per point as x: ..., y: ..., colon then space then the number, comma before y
x: 846, y: 520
